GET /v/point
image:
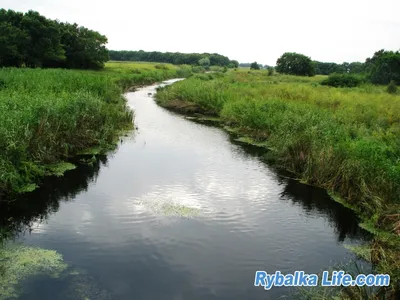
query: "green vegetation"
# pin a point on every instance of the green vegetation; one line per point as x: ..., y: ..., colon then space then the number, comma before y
x: 327, y: 68
x: 342, y: 293
x: 179, y: 210
x: 295, y: 64
x: 342, y: 80
x: 247, y: 65
x: 19, y: 263
x: 176, y: 58
x: 392, y: 87
x: 254, y: 66
x: 32, y: 40
x: 166, y: 206
x: 384, y: 67
x: 342, y: 139
x: 49, y: 115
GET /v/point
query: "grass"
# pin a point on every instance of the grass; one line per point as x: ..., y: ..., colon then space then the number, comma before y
x: 343, y: 139
x: 342, y: 293
x: 48, y: 115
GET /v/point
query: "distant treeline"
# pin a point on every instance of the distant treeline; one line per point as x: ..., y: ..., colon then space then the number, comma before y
x: 248, y: 65
x: 176, y: 58
x: 31, y: 40
x: 326, y: 68
x: 382, y: 68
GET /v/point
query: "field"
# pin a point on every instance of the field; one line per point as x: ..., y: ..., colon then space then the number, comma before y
x: 48, y: 115
x: 343, y: 139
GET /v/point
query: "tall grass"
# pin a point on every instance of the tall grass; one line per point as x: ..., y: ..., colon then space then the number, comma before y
x: 49, y: 115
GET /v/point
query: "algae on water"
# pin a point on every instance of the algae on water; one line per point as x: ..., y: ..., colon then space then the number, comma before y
x: 20, y: 262
x: 179, y: 210
x: 168, y: 207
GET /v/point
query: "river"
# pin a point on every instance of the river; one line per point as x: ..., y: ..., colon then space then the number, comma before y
x: 179, y: 211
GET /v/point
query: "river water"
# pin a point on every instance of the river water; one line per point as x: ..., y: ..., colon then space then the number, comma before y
x: 179, y: 211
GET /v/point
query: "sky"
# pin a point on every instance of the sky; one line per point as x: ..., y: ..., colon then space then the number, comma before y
x: 247, y: 31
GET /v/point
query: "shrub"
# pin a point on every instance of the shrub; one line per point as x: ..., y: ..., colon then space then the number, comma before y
x: 161, y: 67
x: 197, y: 69
x: 184, y: 72
x: 342, y: 80
x: 392, y: 87
x: 254, y: 66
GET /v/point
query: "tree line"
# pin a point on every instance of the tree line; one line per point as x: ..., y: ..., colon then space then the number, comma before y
x: 382, y: 68
x: 327, y: 68
x: 249, y: 65
x: 32, y: 40
x: 176, y: 58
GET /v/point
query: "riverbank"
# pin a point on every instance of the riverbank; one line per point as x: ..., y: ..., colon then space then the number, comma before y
x: 344, y: 140
x: 49, y: 115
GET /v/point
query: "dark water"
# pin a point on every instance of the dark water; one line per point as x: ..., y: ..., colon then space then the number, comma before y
x: 109, y: 220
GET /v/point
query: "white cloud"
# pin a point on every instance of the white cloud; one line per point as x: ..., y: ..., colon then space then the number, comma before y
x: 243, y: 30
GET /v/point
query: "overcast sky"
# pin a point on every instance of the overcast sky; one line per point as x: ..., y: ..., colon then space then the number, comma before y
x: 250, y: 30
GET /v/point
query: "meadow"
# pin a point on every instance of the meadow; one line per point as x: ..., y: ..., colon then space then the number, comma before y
x: 49, y: 115
x: 343, y: 139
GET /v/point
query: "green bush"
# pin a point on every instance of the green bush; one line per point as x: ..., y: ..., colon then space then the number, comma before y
x: 342, y: 80
x: 392, y: 88
x: 161, y: 67
x: 184, y: 72
x: 208, y: 76
x: 198, y: 69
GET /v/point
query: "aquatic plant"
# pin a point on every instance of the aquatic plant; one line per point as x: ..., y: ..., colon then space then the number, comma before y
x: 20, y: 262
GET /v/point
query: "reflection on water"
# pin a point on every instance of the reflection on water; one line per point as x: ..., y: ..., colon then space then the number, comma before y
x: 316, y: 201
x: 18, y: 217
x: 113, y: 219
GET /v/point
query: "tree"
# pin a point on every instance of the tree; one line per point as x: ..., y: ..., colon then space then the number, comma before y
x: 32, y: 40
x: 44, y: 48
x: 12, y: 45
x: 234, y: 64
x: 173, y: 58
x: 254, y: 66
x: 204, y: 62
x: 295, y: 64
x: 356, y: 68
x: 384, y: 67
x: 84, y: 48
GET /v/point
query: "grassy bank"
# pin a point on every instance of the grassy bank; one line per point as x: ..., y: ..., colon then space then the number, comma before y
x: 48, y: 115
x: 345, y: 140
